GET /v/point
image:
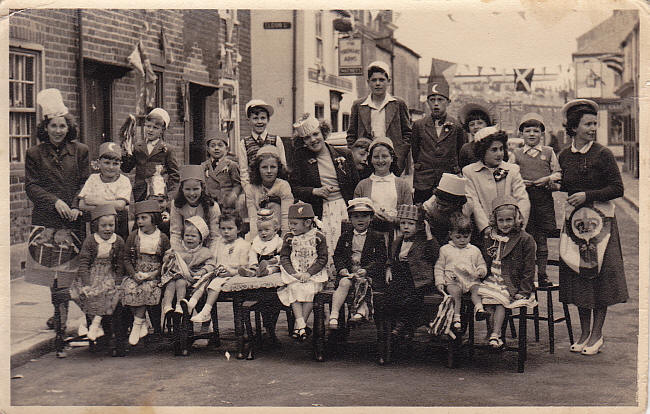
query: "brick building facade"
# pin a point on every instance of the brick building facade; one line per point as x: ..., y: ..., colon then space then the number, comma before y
x: 201, y: 59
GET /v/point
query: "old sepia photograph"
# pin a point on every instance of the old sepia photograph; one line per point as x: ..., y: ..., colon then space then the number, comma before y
x: 427, y: 204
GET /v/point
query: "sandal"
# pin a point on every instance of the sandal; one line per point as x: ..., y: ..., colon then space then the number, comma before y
x: 296, y: 333
x: 357, y: 317
x: 456, y: 325
x: 306, y: 331
x: 334, y: 323
x: 495, y: 342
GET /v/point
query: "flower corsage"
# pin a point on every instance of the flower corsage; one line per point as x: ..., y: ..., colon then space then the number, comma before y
x: 339, y: 162
x: 500, y: 174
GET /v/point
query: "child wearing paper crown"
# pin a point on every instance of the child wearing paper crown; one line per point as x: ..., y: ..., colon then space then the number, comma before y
x: 510, y: 256
x: 108, y: 187
x: 186, y: 264
x: 145, y: 249
x: 410, y: 271
x: 448, y: 198
x: 221, y: 173
x: 151, y: 155
x: 360, y: 261
x: 101, y: 268
x: 540, y: 169
x: 303, y: 261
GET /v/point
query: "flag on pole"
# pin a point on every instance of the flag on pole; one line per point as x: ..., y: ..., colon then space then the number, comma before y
x: 614, y: 62
x: 146, y: 96
x: 135, y: 60
x: 524, y: 79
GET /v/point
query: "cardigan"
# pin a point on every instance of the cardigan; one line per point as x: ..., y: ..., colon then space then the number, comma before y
x: 373, y: 256
x: 132, y: 251
x: 404, y: 193
x: 517, y: 262
x: 398, y: 127
x: 88, y: 254
x: 434, y: 155
x: 481, y: 190
x: 256, y: 193
x: 304, y: 176
x: 145, y: 166
x: 421, y: 258
x: 596, y: 173
x: 47, y: 181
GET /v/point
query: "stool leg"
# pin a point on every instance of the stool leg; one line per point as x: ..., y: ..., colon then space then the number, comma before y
x: 291, y: 320
x: 258, y: 327
x: 381, y: 340
x: 513, y: 331
x: 536, y: 318
x: 567, y: 319
x: 388, y: 340
x: 470, y: 337
x: 318, y: 339
x: 215, y: 339
x: 551, y: 321
x: 522, y: 351
x: 249, y: 333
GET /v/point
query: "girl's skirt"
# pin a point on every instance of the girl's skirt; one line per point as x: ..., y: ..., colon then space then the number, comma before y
x: 101, y: 296
x: 299, y: 292
x: 334, y: 212
x: 494, y: 292
x: 147, y: 292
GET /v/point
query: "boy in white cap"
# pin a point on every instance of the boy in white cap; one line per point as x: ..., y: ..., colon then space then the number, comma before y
x: 147, y: 156
x: 259, y: 114
x: 436, y: 142
x: 381, y: 115
x: 540, y: 169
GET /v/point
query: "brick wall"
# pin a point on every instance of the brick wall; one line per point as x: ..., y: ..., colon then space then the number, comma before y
x: 109, y: 36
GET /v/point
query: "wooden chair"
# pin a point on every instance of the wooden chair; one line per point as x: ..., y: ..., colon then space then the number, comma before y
x: 550, y: 316
x: 520, y: 349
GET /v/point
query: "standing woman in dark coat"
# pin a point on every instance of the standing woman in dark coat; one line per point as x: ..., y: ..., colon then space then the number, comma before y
x: 591, y: 268
x: 324, y: 177
x: 55, y: 171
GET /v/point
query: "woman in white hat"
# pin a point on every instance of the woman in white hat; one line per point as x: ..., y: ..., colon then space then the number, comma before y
x: 55, y: 171
x: 592, y: 276
x: 324, y: 177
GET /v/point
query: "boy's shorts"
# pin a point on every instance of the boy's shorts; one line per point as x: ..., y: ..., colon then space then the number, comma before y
x: 463, y: 283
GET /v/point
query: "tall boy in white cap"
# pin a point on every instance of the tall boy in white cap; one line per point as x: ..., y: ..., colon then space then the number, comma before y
x: 259, y: 114
x: 381, y: 115
x: 152, y: 156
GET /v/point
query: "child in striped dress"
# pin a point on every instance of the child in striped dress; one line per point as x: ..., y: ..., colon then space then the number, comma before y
x: 510, y: 253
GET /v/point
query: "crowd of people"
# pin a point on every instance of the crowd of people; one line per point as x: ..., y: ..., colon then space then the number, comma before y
x: 473, y: 220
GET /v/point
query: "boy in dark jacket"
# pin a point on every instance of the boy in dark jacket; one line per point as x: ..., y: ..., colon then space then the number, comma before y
x: 360, y: 260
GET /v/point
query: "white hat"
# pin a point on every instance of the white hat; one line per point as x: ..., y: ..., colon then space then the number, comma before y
x: 452, y: 184
x: 484, y: 132
x: 51, y: 103
x: 306, y: 126
x: 577, y: 102
x: 160, y: 113
x: 258, y: 102
x: 381, y: 65
x: 531, y: 116
x: 381, y: 140
x: 199, y: 223
x: 361, y: 204
x: 268, y: 149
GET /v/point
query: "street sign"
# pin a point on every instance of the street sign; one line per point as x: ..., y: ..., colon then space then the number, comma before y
x: 350, y: 62
x: 277, y: 25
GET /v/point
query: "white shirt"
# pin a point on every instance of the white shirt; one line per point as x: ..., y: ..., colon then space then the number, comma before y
x: 149, y: 242
x: 583, y: 150
x: 384, y: 193
x: 378, y: 115
x: 104, y: 246
x: 151, y: 145
x: 556, y: 175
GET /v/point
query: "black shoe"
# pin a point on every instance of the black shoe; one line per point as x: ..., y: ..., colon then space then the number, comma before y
x: 50, y: 323
x: 480, y: 315
x: 542, y: 281
x: 399, y: 329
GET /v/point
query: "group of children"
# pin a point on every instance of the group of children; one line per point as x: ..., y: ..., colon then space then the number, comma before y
x: 196, y: 242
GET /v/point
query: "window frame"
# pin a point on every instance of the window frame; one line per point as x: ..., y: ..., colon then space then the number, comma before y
x: 36, y: 51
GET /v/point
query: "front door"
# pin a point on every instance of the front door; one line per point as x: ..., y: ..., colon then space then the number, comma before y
x: 97, y: 126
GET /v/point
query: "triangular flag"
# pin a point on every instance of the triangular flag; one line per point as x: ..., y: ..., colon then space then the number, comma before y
x: 167, y: 51
x: 135, y: 60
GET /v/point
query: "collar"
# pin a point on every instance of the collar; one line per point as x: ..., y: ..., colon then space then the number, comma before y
x: 356, y: 233
x: 456, y: 247
x: 583, y: 150
x: 194, y: 250
x: 152, y: 144
x: 387, y: 98
x: 64, y: 148
x: 479, y: 166
x: 390, y: 178
x: 439, y: 121
x: 155, y: 234
x: 526, y: 147
x: 99, y: 239
x: 260, y: 137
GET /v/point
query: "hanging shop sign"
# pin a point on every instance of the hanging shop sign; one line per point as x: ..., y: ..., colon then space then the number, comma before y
x: 350, y: 62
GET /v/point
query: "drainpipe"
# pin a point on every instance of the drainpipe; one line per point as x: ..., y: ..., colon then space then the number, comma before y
x: 293, y: 69
x: 82, y: 79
